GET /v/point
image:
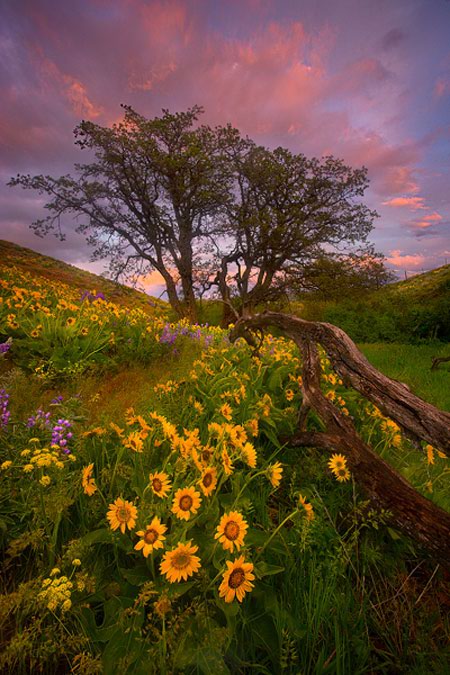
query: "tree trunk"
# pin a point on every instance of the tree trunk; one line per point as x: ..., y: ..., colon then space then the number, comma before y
x: 406, y: 509
x: 228, y: 315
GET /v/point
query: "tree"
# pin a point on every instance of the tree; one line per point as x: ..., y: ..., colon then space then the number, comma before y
x: 288, y: 212
x: 205, y: 207
x: 150, y: 196
x: 346, y: 276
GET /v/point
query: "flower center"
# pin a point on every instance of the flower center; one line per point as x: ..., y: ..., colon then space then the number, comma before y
x: 181, y: 560
x: 237, y: 577
x: 157, y: 484
x: 232, y: 530
x: 342, y: 471
x: 122, y: 514
x: 150, y: 536
x: 207, y: 480
x: 186, y: 503
x: 206, y: 455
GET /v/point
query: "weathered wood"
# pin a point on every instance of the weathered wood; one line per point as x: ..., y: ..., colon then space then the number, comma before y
x: 407, y: 510
x: 437, y: 360
x: 394, y: 399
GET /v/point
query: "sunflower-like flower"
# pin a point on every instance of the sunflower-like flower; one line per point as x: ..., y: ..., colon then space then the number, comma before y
x: 180, y: 563
x: 338, y: 465
x: 160, y: 484
x: 208, y: 481
x: 134, y: 441
x: 337, y: 462
x: 252, y: 427
x: 238, y: 435
x: 186, y: 502
x: 308, y: 507
x: 430, y: 453
x: 227, y: 463
x: 227, y: 411
x: 249, y: 455
x: 231, y: 531
x: 87, y: 481
x: 274, y: 474
x: 342, y: 474
x: 151, y: 538
x: 122, y: 514
x: 236, y: 580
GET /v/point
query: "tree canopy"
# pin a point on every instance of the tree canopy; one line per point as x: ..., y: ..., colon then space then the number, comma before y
x: 210, y: 210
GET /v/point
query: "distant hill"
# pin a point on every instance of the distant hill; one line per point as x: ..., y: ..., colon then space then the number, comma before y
x: 26, y: 260
x: 413, y: 310
x: 432, y: 285
x: 409, y: 311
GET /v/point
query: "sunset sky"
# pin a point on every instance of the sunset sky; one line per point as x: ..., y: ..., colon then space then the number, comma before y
x: 365, y: 80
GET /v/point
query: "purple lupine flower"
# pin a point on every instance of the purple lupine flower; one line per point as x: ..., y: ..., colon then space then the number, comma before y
x: 61, y: 434
x: 5, y: 346
x: 87, y: 295
x: 57, y: 400
x: 41, y: 418
x: 168, y: 336
x: 4, y: 412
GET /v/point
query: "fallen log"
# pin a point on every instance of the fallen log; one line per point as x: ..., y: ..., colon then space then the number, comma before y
x: 407, y: 510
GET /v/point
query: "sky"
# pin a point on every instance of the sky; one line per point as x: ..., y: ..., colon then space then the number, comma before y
x: 367, y: 81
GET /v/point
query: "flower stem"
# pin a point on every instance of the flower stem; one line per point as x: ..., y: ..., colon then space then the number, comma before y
x: 275, y: 532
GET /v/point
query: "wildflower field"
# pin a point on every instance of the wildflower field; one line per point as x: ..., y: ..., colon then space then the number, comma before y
x: 152, y: 520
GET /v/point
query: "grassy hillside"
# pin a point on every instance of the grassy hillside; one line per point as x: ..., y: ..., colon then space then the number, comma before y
x: 411, y: 311
x: 425, y: 287
x: 43, y: 267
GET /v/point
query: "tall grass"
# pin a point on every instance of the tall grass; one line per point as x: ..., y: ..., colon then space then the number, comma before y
x: 411, y: 364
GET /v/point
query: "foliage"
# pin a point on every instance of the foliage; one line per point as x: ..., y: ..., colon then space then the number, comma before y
x: 290, y: 213
x: 334, y: 278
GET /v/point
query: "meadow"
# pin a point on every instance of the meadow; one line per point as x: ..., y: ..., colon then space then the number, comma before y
x: 151, y: 520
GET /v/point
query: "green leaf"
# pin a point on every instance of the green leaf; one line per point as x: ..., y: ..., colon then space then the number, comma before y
x: 102, y: 536
x: 178, y: 590
x: 395, y: 536
x: 137, y: 575
x: 263, y: 569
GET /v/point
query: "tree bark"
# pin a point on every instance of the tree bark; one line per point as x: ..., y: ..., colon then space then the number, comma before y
x: 406, y: 509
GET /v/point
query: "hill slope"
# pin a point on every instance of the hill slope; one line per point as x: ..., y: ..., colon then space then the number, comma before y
x: 407, y: 311
x: 432, y: 285
x: 27, y: 260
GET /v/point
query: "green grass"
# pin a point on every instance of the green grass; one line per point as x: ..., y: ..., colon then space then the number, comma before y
x: 411, y: 364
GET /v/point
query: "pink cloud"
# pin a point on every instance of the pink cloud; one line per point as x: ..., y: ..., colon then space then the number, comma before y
x: 73, y: 89
x: 409, y: 202
x: 405, y: 261
x: 428, y: 221
x: 391, y: 167
x: 442, y: 87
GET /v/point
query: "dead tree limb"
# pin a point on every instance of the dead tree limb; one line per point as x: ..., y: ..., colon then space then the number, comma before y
x: 409, y: 511
x: 437, y: 360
